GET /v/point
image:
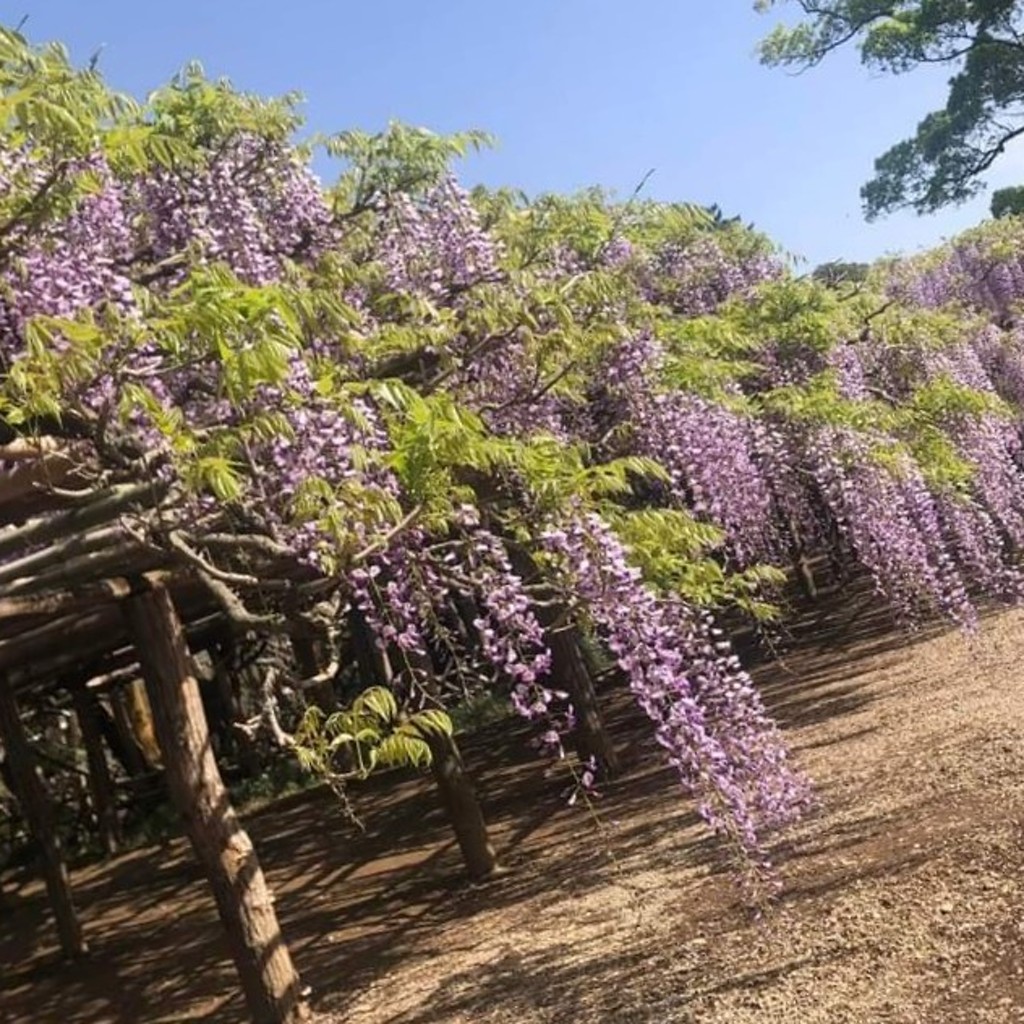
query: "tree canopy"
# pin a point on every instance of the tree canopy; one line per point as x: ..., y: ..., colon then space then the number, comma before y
x: 981, y: 40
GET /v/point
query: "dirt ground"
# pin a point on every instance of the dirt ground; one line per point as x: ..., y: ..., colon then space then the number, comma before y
x: 903, y: 901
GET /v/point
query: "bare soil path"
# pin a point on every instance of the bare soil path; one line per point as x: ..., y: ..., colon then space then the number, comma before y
x: 903, y: 902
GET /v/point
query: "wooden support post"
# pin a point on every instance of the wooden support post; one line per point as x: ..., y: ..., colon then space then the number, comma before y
x: 461, y: 804
x: 226, y: 697
x: 34, y: 802
x: 130, y: 753
x: 101, y: 785
x: 802, y: 570
x: 140, y: 716
x: 273, y: 991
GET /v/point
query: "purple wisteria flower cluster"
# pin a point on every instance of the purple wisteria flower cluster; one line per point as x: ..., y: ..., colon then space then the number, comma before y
x: 434, y: 244
x: 252, y: 207
x: 707, y: 450
x: 707, y: 715
x: 696, y: 278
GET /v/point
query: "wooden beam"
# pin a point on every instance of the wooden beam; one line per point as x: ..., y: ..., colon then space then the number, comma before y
x: 52, y: 647
x: 63, y: 601
x: 87, y: 635
x: 104, y: 506
x: 56, y: 554
x: 128, y: 559
x: 30, y: 449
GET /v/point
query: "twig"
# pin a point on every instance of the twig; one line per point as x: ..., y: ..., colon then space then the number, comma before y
x: 236, y: 579
x: 382, y: 542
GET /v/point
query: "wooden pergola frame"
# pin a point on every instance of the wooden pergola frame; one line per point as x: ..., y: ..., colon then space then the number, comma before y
x: 83, y: 601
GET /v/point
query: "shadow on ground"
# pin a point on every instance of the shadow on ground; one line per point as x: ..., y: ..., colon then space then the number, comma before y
x: 352, y: 904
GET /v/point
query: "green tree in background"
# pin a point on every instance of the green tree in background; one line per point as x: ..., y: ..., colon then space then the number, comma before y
x: 839, y: 272
x: 982, y: 40
x: 1008, y: 202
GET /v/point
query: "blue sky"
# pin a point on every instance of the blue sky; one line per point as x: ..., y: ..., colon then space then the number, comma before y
x: 578, y: 92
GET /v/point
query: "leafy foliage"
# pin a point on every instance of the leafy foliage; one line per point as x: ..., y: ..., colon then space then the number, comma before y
x: 372, y: 733
x: 1008, y: 202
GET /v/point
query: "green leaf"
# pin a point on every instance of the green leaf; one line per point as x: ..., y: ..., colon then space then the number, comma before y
x: 379, y: 702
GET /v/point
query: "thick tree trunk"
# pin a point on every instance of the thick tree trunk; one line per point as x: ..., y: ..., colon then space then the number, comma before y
x: 34, y: 802
x: 569, y: 670
x: 270, y: 982
x: 101, y: 786
x: 463, y: 808
x: 310, y: 662
x: 456, y: 790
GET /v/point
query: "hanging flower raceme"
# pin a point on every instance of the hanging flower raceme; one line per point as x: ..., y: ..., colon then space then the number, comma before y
x: 706, y: 713
x: 252, y: 206
x: 617, y: 252
x: 988, y: 439
x: 993, y: 448
x: 778, y: 449
x: 982, y: 271
x: 74, y: 260
x: 457, y: 604
x: 707, y: 450
x: 890, y: 519
x: 501, y: 384
x: 1001, y: 353
x: 978, y: 545
x: 696, y: 278
x: 848, y: 362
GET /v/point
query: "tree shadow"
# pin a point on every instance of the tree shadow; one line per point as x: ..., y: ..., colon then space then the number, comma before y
x: 355, y: 904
